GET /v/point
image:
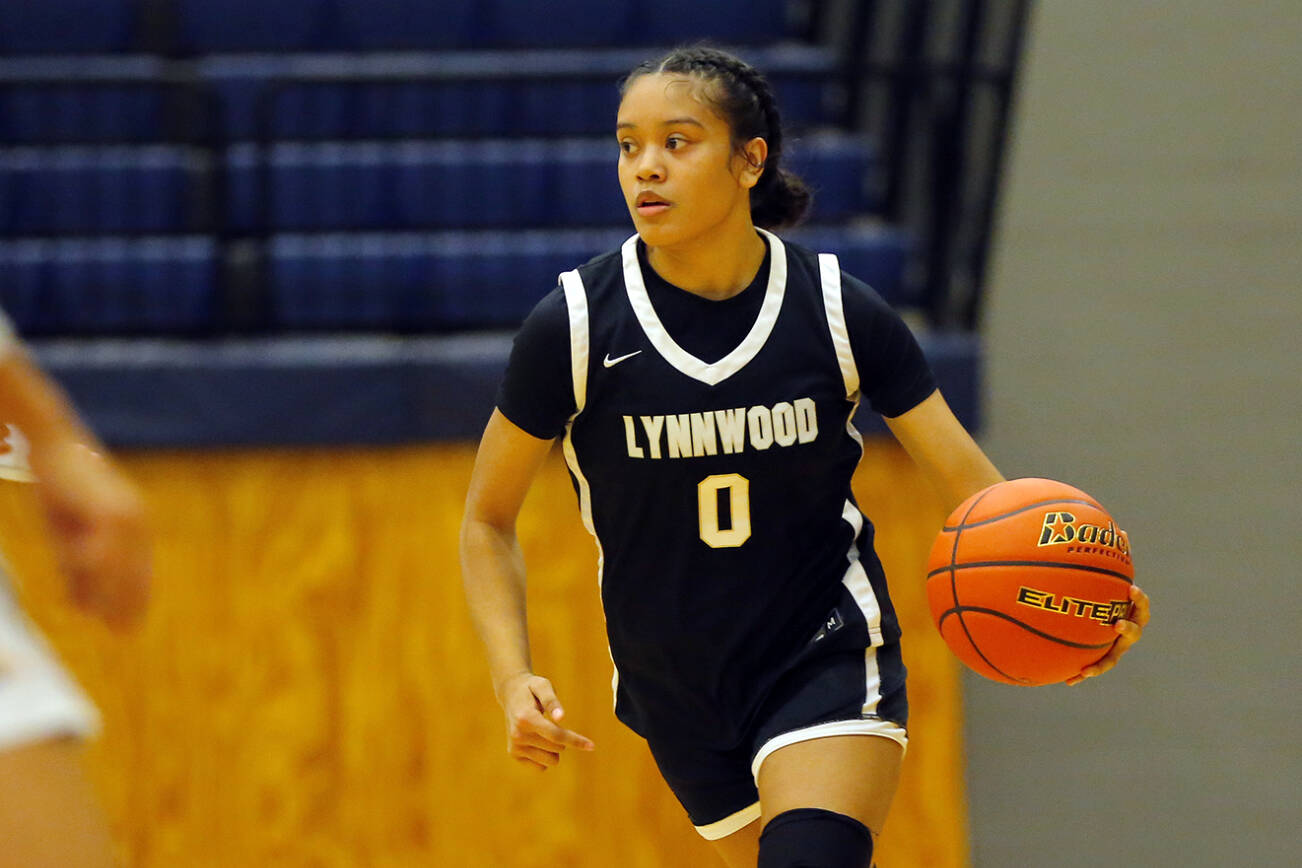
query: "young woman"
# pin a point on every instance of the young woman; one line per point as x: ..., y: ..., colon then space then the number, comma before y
x: 704, y: 378
x: 48, y: 814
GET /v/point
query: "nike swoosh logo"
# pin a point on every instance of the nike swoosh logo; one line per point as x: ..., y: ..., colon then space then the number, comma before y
x: 610, y: 363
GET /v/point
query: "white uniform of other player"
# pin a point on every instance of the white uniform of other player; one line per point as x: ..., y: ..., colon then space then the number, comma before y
x: 38, y: 699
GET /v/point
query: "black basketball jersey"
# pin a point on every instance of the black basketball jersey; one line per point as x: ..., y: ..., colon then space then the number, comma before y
x: 719, y: 492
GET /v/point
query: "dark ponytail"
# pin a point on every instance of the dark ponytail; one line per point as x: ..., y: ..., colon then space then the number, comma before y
x: 743, y: 98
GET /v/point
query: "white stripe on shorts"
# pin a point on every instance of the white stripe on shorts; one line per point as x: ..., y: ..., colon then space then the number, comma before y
x: 871, y: 726
x: 731, y: 823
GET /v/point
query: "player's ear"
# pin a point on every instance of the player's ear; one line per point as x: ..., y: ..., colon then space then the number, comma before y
x: 753, y: 156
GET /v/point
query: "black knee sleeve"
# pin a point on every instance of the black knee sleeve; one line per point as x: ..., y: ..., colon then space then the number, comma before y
x: 814, y: 838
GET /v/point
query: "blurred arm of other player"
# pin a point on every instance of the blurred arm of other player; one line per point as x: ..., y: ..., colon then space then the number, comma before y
x: 95, y: 515
x: 492, y: 568
x: 953, y: 463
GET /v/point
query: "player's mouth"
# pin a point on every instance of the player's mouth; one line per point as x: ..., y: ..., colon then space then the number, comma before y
x: 651, y: 204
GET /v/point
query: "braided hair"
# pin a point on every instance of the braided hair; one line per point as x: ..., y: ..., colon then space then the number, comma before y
x: 743, y: 98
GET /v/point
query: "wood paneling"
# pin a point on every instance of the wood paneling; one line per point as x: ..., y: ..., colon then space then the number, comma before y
x: 308, y: 690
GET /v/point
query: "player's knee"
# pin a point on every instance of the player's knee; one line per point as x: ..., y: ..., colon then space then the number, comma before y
x: 815, y: 838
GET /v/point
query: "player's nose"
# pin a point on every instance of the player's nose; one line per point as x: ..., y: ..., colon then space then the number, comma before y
x: 650, y: 165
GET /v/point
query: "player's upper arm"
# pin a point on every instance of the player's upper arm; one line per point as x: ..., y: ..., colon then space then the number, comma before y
x: 534, y: 401
x: 944, y: 450
x: 505, y: 466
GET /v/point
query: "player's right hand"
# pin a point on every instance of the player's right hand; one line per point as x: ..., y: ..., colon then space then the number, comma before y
x: 534, y: 736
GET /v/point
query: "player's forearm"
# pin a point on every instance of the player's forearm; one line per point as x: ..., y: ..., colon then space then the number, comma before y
x: 35, y: 403
x: 970, y: 471
x: 946, y: 454
x: 492, y: 570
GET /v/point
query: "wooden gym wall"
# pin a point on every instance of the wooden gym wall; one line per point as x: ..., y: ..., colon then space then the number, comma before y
x: 308, y: 690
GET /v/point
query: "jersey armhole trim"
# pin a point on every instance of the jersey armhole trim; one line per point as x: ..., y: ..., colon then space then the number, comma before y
x: 576, y: 302
x: 829, y: 269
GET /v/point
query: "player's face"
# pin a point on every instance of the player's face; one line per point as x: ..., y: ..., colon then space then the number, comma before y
x: 678, y: 169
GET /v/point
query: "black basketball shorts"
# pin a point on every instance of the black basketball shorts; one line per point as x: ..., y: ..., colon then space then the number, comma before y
x: 845, y: 688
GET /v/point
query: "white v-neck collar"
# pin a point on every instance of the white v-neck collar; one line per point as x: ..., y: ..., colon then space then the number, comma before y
x: 710, y: 374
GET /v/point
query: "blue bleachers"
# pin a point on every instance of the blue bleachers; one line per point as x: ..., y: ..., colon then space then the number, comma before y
x: 233, y: 26
x: 81, y: 99
x: 476, y: 280
x: 424, y: 167
x: 93, y: 286
x: 570, y: 23
x: 673, y: 21
x: 67, y: 26
x: 407, y: 25
x: 122, y: 189
x: 468, y: 93
x: 463, y: 93
x: 494, y: 183
x: 396, y: 164
x: 255, y: 25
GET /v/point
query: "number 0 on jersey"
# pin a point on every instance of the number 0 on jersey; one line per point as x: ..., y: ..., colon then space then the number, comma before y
x: 707, y: 494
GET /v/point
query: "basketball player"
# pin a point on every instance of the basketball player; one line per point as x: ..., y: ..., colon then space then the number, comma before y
x: 48, y: 815
x: 703, y: 378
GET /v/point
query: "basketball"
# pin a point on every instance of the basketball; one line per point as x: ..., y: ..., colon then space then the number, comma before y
x: 1026, y: 580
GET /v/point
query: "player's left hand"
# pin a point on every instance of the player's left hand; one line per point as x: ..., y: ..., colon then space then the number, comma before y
x: 1130, y: 630
x: 98, y: 528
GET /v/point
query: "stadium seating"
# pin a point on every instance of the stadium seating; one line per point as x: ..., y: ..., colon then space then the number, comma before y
x: 124, y: 190
x: 758, y: 21
x: 82, y: 99
x: 67, y: 26
x: 76, y: 286
x: 448, y: 184
x: 407, y: 25
x: 233, y: 26
x: 391, y: 164
x: 485, y: 280
x: 208, y: 26
x: 467, y: 93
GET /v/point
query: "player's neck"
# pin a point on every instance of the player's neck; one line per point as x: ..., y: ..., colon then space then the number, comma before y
x: 716, y: 268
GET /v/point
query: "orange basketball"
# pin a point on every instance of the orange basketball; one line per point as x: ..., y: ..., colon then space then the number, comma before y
x: 1027, y: 579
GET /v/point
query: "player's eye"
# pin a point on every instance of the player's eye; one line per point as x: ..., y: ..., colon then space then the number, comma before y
x: 674, y: 142
x: 626, y: 146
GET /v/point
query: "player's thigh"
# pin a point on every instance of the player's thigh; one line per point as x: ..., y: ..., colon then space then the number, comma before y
x: 855, y: 775
x: 49, y: 816
x: 741, y: 848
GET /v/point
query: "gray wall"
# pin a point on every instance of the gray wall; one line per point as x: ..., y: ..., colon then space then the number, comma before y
x: 1142, y: 334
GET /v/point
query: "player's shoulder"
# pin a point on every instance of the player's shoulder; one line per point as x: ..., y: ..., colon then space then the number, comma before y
x: 603, y: 274
x: 548, y: 323
x: 802, y: 261
x: 809, y: 258
x: 855, y: 291
x: 551, y: 313
x: 805, y: 269
x: 611, y: 258
x: 603, y: 265
x: 859, y: 301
